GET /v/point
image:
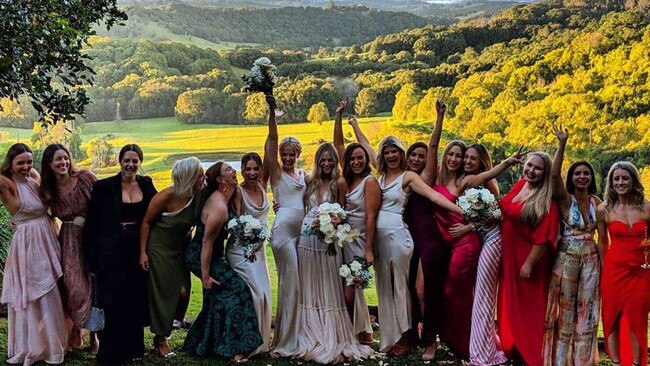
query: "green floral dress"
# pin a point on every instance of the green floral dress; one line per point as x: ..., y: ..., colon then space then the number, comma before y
x: 227, y: 323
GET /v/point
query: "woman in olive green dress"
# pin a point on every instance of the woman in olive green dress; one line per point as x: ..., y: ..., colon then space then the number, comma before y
x: 164, y: 236
x: 227, y: 324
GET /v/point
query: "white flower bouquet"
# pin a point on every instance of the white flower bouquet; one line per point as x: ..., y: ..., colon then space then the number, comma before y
x: 247, y: 232
x: 479, y: 205
x: 331, y: 226
x: 261, y: 77
x: 356, y: 273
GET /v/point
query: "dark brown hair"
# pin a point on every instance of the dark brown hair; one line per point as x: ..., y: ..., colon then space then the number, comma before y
x: 15, y: 150
x: 347, y: 155
x: 48, y: 189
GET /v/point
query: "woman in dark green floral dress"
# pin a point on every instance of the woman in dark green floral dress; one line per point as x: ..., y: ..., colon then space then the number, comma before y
x: 227, y: 323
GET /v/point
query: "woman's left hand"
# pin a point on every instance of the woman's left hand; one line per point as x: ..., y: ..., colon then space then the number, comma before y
x: 459, y: 229
x: 526, y: 270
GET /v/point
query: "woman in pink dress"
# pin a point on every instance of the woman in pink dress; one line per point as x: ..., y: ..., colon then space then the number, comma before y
x: 37, y: 329
x: 623, y: 220
x: 66, y: 192
x: 529, y: 228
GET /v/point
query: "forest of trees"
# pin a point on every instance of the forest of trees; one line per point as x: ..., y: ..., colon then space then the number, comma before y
x: 278, y: 27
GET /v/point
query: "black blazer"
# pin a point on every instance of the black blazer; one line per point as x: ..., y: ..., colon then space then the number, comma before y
x: 102, y: 227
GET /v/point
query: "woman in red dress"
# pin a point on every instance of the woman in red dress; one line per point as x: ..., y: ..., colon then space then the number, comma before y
x: 622, y: 226
x: 529, y: 231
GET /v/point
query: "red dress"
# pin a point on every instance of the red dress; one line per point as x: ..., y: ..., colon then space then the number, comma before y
x: 522, y: 302
x: 460, y: 279
x: 626, y: 287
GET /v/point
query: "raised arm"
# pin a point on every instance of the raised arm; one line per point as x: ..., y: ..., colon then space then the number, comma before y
x: 271, y: 164
x: 339, y: 142
x: 430, y: 172
x: 215, y: 216
x: 473, y: 181
x: 418, y: 185
x: 155, y: 209
x: 372, y: 199
x: 603, y: 235
x: 559, y: 190
x: 363, y: 140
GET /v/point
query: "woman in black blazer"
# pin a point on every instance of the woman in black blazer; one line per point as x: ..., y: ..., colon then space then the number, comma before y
x: 111, y: 249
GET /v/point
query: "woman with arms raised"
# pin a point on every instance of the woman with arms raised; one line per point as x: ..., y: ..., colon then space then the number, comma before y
x: 529, y: 231
x: 573, y: 307
x: 393, y: 244
x: 227, y: 324
x: 164, y: 236
x: 362, y: 199
x: 111, y: 247
x: 256, y: 273
x: 623, y: 220
x: 37, y: 328
x: 288, y: 185
x: 66, y: 191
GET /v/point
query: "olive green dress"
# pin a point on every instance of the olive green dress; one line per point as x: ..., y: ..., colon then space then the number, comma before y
x: 168, y: 273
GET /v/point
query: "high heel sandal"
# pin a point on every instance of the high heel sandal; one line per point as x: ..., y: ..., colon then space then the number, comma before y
x: 158, y: 344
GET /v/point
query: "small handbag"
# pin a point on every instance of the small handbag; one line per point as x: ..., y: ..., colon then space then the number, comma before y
x: 96, y: 319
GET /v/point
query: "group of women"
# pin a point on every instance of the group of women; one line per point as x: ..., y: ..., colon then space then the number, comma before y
x: 132, y: 249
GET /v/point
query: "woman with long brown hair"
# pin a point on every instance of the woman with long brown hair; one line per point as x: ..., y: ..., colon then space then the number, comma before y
x: 37, y: 327
x: 66, y: 191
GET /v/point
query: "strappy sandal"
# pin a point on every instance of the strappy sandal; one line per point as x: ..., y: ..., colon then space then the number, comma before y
x: 430, y: 356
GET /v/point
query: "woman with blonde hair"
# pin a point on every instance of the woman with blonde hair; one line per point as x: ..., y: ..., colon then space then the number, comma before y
x: 325, y: 329
x: 164, y: 235
x: 623, y: 220
x: 529, y: 231
x: 288, y: 186
x: 393, y: 244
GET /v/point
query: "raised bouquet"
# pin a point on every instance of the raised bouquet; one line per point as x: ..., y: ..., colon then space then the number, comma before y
x: 261, y: 78
x: 247, y: 232
x: 330, y: 225
x: 356, y: 273
x: 479, y: 205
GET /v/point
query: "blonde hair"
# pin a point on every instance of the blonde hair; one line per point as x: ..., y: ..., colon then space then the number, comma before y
x: 390, y: 141
x: 537, y: 203
x: 445, y: 174
x: 291, y: 142
x: 636, y: 191
x: 185, y: 172
x: 316, y: 179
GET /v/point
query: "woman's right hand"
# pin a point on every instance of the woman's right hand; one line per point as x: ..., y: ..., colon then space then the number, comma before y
x: 561, y: 134
x: 370, y: 258
x: 352, y: 120
x: 459, y: 229
x: 144, y: 262
x: 208, y: 282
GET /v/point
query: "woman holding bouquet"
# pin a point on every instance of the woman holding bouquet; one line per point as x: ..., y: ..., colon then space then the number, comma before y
x: 66, y: 191
x: 623, y: 220
x: 362, y: 199
x: 111, y: 247
x: 573, y: 307
x: 528, y: 232
x: 254, y: 271
x: 393, y: 243
x: 164, y: 236
x: 464, y: 246
x: 326, y: 333
x: 288, y: 185
x: 227, y: 324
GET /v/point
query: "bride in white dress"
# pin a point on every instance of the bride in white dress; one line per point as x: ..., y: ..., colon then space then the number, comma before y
x: 326, y: 334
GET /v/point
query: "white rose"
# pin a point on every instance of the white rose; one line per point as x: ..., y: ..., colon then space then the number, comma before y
x: 463, y: 203
x: 255, y: 224
x: 349, y: 281
x: 355, y: 266
x: 472, y: 195
x: 247, y: 229
x: 325, y: 207
x: 232, y: 223
x: 324, y: 219
x: 344, y: 271
x: 488, y: 198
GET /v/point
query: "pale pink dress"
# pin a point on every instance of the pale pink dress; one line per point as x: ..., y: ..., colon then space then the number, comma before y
x: 37, y: 328
x: 325, y: 333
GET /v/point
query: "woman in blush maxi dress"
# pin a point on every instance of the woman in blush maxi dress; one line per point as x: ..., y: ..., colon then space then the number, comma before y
x: 37, y: 328
x: 256, y: 273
